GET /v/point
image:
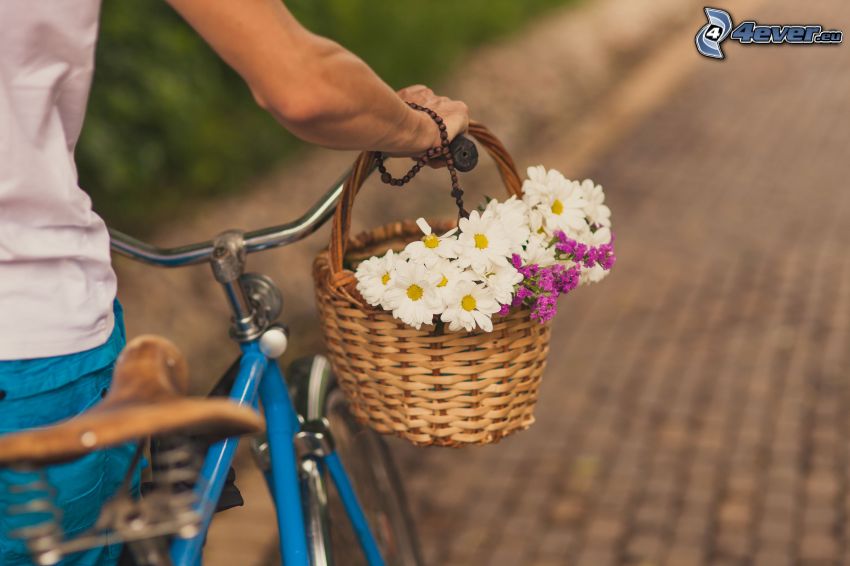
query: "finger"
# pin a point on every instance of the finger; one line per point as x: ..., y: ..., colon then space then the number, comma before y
x: 433, y: 164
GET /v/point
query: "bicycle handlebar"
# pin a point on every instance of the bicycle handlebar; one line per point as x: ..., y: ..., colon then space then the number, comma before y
x: 464, y: 153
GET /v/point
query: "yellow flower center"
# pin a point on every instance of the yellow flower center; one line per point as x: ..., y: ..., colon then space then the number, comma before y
x: 557, y: 207
x: 431, y: 241
x: 468, y: 303
x: 443, y: 282
x: 481, y: 241
x: 541, y: 230
x: 385, y: 278
x: 414, y: 292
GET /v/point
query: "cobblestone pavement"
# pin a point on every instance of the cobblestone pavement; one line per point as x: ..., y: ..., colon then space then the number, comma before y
x: 696, y: 409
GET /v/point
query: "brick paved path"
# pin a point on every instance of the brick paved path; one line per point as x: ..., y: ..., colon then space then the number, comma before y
x: 697, y: 406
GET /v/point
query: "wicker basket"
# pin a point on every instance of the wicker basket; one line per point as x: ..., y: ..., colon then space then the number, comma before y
x: 432, y: 388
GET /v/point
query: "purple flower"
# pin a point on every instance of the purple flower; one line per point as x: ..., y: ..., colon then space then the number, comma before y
x: 566, y: 247
x: 504, y: 310
x: 579, y: 251
x: 568, y: 280
x: 524, y: 293
x: 544, y: 309
x: 606, y: 257
x: 541, y: 286
x: 608, y: 262
x: 546, y: 281
x: 529, y: 271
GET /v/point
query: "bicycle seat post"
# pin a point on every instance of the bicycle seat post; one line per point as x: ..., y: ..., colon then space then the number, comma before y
x: 228, y: 265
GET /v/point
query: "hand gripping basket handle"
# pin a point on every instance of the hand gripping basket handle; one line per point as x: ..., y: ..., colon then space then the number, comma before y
x: 364, y: 165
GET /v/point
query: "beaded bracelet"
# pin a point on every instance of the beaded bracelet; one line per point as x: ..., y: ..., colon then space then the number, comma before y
x: 443, y: 151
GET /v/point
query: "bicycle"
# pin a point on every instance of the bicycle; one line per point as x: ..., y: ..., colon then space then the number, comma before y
x: 308, y: 428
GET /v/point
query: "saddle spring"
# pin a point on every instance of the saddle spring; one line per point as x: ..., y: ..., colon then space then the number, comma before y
x: 175, y: 462
x: 33, y: 500
x: 168, y: 508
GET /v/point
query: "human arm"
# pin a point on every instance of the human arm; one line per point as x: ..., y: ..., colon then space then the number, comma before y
x: 318, y: 90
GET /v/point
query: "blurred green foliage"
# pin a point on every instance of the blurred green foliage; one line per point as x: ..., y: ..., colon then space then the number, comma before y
x: 169, y: 123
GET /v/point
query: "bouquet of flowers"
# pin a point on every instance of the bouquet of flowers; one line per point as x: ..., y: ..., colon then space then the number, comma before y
x: 506, y: 255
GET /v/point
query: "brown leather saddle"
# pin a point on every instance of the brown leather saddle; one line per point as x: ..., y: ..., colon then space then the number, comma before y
x: 147, y: 398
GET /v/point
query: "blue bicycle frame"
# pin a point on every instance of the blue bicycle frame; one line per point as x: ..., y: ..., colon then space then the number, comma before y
x: 260, y: 378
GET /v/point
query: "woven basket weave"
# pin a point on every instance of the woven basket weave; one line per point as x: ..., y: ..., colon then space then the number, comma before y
x: 432, y: 388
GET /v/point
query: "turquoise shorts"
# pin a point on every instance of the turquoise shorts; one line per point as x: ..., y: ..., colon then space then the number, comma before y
x: 41, y: 392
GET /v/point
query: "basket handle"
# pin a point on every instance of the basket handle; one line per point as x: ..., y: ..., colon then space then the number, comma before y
x: 365, y: 164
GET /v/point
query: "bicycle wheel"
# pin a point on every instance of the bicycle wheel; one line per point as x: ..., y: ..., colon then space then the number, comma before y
x: 370, y: 468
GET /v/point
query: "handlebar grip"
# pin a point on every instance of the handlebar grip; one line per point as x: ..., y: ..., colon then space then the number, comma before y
x: 464, y: 153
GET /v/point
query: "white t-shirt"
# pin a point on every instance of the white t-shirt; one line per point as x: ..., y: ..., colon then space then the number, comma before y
x: 56, y: 281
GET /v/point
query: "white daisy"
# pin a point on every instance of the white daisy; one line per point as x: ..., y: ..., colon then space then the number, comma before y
x: 513, y: 215
x: 563, y: 208
x: 593, y: 274
x: 537, y: 250
x: 560, y: 201
x: 537, y: 222
x: 483, y: 243
x: 594, y: 208
x: 412, y: 295
x: 601, y: 236
x: 449, y: 275
x: 471, y: 306
x: 539, y: 184
x: 374, y: 277
x: 502, y: 281
x: 431, y: 247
